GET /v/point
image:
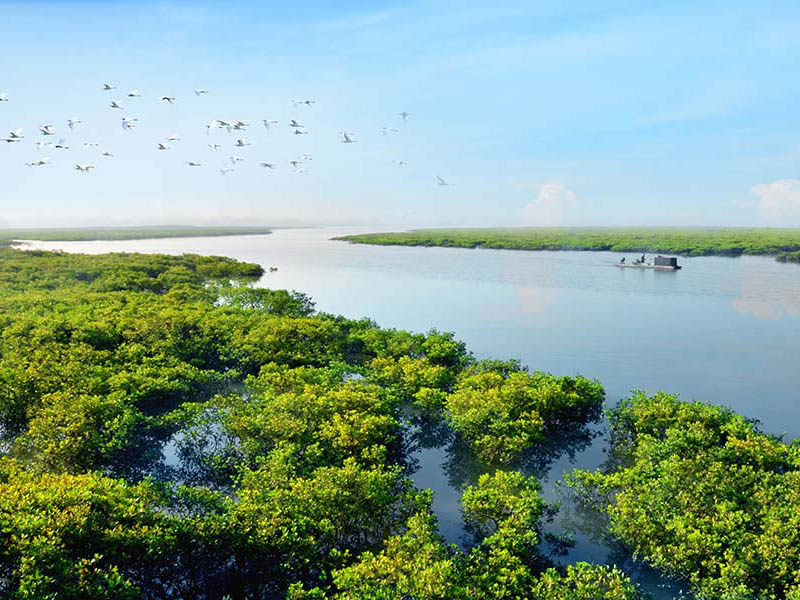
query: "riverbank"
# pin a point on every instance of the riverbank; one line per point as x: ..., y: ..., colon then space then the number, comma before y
x: 783, y: 243
x: 9, y: 237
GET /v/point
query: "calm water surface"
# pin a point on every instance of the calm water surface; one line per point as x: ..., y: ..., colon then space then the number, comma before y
x: 721, y: 330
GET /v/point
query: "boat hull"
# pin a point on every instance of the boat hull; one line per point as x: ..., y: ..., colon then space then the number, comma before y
x: 656, y: 267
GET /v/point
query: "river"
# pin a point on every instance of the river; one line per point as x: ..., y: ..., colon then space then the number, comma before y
x: 721, y: 330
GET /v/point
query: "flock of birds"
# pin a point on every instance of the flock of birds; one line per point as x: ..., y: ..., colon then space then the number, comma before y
x: 237, y: 127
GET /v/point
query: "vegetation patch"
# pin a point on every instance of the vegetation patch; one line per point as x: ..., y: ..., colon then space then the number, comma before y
x: 783, y: 243
x: 84, y: 234
x: 697, y: 491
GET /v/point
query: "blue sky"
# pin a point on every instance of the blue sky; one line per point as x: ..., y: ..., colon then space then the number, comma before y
x: 603, y: 112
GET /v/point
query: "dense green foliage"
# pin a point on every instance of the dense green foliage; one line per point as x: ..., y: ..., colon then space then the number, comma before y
x: 782, y: 243
x: 503, y: 414
x: 696, y: 490
x: 123, y: 233
x: 168, y: 431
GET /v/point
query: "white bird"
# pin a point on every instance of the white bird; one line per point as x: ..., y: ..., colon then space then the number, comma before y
x: 128, y: 123
x: 241, y: 143
x: 3, y: 97
x: 42, y: 144
x: 388, y: 130
x: 404, y: 114
x: 347, y: 139
x: 305, y: 156
x: 108, y: 154
x: 240, y: 125
x: 200, y: 92
x: 108, y: 87
x: 215, y: 146
x: 174, y: 138
x: 212, y: 125
x: 169, y: 99
x: 193, y: 164
x: 235, y: 159
x: 295, y: 164
x: 39, y: 163
x: 268, y: 122
x: 61, y: 144
x: 295, y: 124
x: 73, y: 122
x: 306, y: 102
x: 268, y: 165
x: 300, y: 132
x: 400, y: 163
x: 16, y: 134
x: 134, y: 94
x: 46, y: 129
x: 162, y: 146
x: 442, y: 181
x: 84, y: 168
x: 226, y: 170
x: 116, y: 104
x: 11, y: 140
x: 90, y: 144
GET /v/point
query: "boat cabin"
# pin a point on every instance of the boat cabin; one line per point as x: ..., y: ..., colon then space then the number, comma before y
x: 666, y: 261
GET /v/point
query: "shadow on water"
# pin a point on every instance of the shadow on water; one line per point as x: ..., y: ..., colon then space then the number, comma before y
x: 440, y: 459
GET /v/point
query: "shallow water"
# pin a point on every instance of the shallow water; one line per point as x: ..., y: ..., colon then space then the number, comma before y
x: 722, y: 330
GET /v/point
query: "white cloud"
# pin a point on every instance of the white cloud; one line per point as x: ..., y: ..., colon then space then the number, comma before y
x: 779, y: 200
x: 551, y: 207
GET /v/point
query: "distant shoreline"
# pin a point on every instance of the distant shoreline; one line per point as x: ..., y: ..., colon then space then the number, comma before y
x: 781, y: 243
x: 12, y: 237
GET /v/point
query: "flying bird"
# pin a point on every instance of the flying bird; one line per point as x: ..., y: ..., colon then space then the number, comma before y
x: 16, y: 134
x: 295, y: 124
x: 39, y: 163
x: 268, y: 122
x: 134, y: 94
x: 128, y: 123
x: 268, y: 165
x: 215, y: 146
x: 108, y: 154
x: 226, y: 170
x: 200, y: 92
x: 400, y: 163
x: 295, y: 164
x: 43, y: 144
x: 388, y: 130
x: 174, y: 138
x: 193, y: 164
x: 300, y: 132
x: 107, y: 87
x: 116, y: 104
x: 162, y: 146
x: 308, y: 103
x: 235, y: 159
x: 404, y: 114
x: 169, y: 99
x: 3, y: 97
x: 46, y: 129
x: 90, y: 144
x: 61, y: 144
x: 241, y: 143
x: 347, y: 139
x: 73, y: 122
x: 442, y: 181
x: 84, y: 168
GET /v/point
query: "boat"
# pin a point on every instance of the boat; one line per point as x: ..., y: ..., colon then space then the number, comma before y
x: 660, y: 263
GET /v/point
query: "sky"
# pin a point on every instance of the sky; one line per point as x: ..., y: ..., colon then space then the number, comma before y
x: 598, y: 112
